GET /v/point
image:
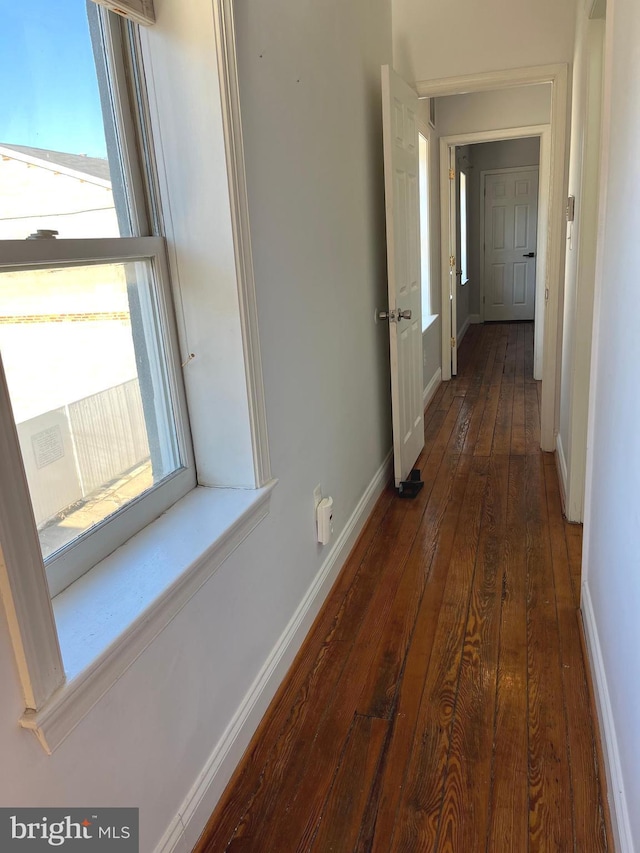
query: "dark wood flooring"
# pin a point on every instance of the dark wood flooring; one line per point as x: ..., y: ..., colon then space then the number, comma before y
x: 441, y: 701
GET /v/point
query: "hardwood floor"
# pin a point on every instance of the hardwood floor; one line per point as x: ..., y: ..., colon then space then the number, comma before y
x: 441, y: 701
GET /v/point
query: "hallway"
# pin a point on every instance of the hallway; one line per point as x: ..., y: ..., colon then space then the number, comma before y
x: 441, y: 700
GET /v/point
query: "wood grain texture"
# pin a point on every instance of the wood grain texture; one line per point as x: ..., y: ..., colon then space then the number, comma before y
x: 465, y: 800
x: 509, y: 800
x: 550, y: 790
x: 441, y: 701
x: 355, y: 777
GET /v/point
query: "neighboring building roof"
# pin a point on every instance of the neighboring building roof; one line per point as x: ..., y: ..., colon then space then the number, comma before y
x: 93, y: 166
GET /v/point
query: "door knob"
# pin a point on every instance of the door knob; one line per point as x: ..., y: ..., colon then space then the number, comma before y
x: 393, y: 316
x: 386, y: 315
x: 529, y: 255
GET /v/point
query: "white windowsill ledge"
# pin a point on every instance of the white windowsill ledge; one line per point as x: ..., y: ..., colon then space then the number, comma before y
x: 429, y: 322
x: 109, y: 616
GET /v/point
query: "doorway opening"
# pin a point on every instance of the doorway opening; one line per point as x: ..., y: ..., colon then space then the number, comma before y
x: 507, y: 287
x: 501, y: 92
x: 496, y: 219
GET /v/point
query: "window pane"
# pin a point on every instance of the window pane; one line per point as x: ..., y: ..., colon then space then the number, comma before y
x: 59, y: 163
x: 82, y: 353
x: 463, y: 228
x: 423, y: 177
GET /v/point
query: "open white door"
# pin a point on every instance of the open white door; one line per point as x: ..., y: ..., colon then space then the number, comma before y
x: 402, y: 202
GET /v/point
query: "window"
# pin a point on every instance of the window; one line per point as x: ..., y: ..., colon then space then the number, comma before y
x: 464, y: 266
x: 87, y: 332
x: 100, y: 624
x: 425, y: 253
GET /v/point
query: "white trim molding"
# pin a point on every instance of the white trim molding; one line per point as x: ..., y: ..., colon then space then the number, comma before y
x: 551, y: 242
x: 431, y: 387
x: 201, y: 800
x: 234, y: 146
x: 23, y: 583
x: 139, y: 11
x: 561, y: 468
x: 620, y: 820
x: 485, y: 81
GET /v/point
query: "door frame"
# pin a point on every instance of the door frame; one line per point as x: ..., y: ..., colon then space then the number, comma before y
x: 447, y: 143
x: 537, y: 364
x: 556, y: 159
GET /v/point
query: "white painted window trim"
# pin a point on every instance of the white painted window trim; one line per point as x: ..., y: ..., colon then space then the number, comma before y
x: 139, y: 11
x: 54, y: 705
x: 146, y: 583
x: 427, y: 131
x: 430, y: 320
x: 102, y: 539
x: 557, y: 75
x: 234, y: 146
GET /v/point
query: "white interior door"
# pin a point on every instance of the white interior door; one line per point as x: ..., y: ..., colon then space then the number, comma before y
x: 402, y: 203
x: 510, y: 234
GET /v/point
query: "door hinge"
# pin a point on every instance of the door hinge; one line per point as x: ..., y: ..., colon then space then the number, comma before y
x: 452, y: 260
x: 546, y: 294
x: 453, y: 343
x: 452, y: 174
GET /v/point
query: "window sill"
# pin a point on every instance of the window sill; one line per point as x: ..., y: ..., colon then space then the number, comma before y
x: 429, y: 322
x: 109, y: 616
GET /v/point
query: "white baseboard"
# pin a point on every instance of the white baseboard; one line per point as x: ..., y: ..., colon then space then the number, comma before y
x: 561, y: 467
x: 623, y: 841
x: 432, y: 387
x: 187, y: 826
x: 472, y: 319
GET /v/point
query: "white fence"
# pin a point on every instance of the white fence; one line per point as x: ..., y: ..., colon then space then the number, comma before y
x: 71, y: 452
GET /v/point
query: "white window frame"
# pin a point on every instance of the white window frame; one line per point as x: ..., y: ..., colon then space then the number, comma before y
x: 93, y: 545
x: 207, y: 523
x: 464, y: 226
x: 80, y: 555
x: 425, y: 230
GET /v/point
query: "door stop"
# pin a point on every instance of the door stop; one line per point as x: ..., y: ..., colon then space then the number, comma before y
x: 410, y: 488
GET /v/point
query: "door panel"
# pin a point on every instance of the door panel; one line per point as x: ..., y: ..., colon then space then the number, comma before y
x: 511, y: 214
x: 400, y: 135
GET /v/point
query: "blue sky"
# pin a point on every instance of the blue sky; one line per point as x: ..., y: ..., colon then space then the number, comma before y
x: 49, y: 94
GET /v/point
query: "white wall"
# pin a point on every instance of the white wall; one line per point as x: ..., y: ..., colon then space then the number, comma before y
x: 314, y: 157
x: 506, y: 154
x: 611, y: 596
x: 494, y: 110
x: 584, y: 175
x: 447, y: 38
